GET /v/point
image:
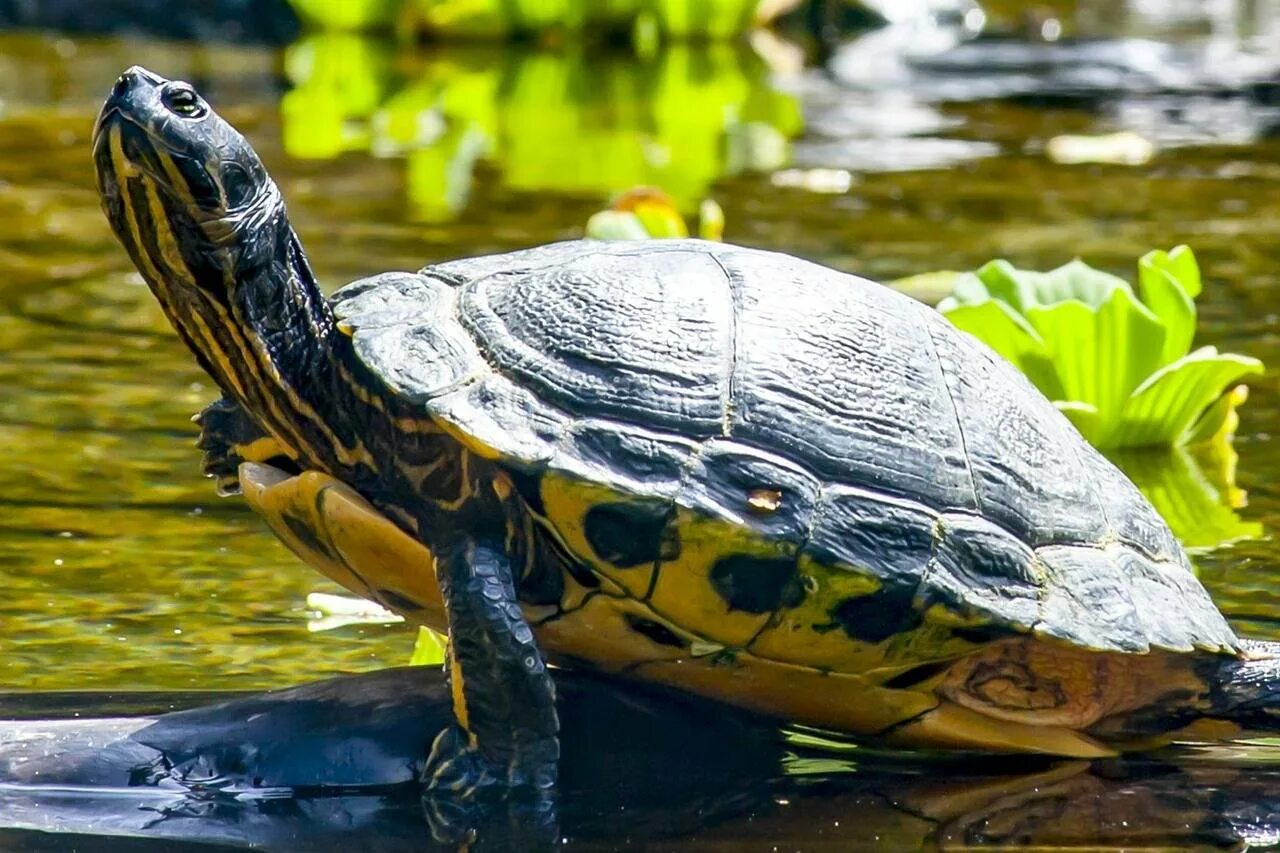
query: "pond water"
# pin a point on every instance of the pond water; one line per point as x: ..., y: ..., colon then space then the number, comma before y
x: 122, y: 570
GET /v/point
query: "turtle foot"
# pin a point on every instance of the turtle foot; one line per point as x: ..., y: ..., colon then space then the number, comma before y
x: 222, y: 427
x: 468, y: 794
x: 458, y: 768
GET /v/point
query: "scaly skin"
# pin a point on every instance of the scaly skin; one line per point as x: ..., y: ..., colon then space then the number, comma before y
x: 193, y: 205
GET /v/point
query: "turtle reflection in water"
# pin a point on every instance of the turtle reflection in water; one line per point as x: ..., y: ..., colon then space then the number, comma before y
x: 332, y: 766
x: 719, y: 469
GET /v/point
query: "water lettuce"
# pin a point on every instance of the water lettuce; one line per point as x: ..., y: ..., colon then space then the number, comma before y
x: 1119, y: 364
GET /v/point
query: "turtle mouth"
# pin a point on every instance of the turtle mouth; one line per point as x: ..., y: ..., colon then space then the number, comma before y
x: 127, y: 147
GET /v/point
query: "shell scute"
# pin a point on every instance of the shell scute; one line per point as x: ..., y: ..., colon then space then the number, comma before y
x: 1024, y: 458
x: 390, y: 298
x: 888, y: 540
x: 925, y: 470
x: 635, y: 461
x: 1088, y: 600
x: 499, y: 420
x: 724, y: 476
x: 980, y: 572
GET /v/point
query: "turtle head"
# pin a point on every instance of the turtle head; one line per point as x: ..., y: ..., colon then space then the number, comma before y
x: 206, y: 227
x: 166, y: 160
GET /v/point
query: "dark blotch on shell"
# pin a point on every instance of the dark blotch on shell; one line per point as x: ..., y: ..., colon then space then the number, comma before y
x: 629, y: 534
x: 876, y: 617
x: 757, y: 584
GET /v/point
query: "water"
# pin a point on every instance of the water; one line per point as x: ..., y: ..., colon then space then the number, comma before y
x: 121, y: 568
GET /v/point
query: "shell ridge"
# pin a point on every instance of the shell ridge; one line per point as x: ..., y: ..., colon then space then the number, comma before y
x: 728, y: 402
x: 955, y: 410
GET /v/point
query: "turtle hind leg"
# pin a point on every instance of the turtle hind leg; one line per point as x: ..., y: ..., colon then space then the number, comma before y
x: 228, y: 437
x: 505, y: 736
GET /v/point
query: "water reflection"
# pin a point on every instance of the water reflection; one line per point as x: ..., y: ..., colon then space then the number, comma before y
x: 572, y: 121
x: 1194, y: 489
x: 640, y: 767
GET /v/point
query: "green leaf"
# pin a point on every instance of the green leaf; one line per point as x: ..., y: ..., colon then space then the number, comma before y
x: 1181, y: 262
x: 1083, y: 417
x: 1100, y: 355
x: 1008, y: 333
x: 1164, y: 409
x: 1024, y: 289
x: 1220, y: 420
x: 616, y: 225
x: 428, y: 648
x: 1000, y: 280
x: 966, y: 289
x: 1116, y: 366
x: 1168, y: 282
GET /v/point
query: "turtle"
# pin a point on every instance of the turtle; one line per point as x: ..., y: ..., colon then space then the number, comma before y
x: 720, y: 469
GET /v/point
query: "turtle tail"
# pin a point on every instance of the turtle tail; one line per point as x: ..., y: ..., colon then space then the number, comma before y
x: 1245, y: 690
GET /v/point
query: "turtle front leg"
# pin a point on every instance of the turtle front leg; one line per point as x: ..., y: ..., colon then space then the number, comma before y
x: 505, y: 735
x: 228, y: 437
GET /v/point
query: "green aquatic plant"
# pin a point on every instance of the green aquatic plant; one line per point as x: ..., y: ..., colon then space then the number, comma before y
x: 339, y: 81
x: 502, y: 19
x: 645, y: 213
x: 573, y: 121
x: 1119, y: 364
x: 1194, y: 487
x: 428, y: 648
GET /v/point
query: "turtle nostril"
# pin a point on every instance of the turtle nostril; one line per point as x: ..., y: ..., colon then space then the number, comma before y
x: 131, y: 78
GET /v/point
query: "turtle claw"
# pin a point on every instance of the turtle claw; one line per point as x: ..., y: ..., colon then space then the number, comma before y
x: 457, y: 769
x: 468, y: 793
x: 222, y: 427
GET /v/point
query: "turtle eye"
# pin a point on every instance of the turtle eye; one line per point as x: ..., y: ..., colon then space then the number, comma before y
x: 182, y: 100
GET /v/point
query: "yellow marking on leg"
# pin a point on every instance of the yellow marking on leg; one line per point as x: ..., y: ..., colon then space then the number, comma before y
x: 459, y: 697
x: 260, y: 449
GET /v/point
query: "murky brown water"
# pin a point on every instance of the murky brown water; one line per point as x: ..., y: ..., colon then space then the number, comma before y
x: 120, y: 567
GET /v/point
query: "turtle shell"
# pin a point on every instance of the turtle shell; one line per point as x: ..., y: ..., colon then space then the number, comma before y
x: 755, y: 453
